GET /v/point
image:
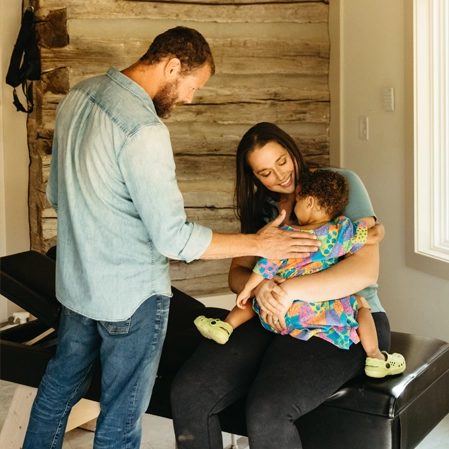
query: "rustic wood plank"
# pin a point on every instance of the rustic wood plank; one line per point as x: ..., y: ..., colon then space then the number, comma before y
x: 236, y: 56
x: 277, y: 75
x: 217, y: 219
x: 56, y: 81
x: 199, y: 168
x: 259, y: 12
x: 203, y: 286
x: 225, y: 88
x: 277, y: 104
x: 201, y: 277
x: 185, y: 144
x: 274, y: 88
x: 49, y: 228
x: 240, y: 89
x: 37, y: 181
x: 215, y: 138
x: 320, y: 159
x: 208, y: 193
x: 238, y: 1
x: 225, y: 114
x: 51, y: 27
x: 190, y: 138
x: 46, y: 160
x: 182, y: 270
x: 270, y: 111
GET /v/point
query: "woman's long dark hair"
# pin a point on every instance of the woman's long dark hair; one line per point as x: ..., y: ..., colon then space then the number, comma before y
x: 253, y: 207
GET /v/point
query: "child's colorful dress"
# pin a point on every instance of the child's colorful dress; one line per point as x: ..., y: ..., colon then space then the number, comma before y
x: 334, y: 320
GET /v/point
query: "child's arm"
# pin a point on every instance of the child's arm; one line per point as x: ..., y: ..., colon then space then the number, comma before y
x: 253, y: 281
x: 366, y: 231
x: 376, y: 231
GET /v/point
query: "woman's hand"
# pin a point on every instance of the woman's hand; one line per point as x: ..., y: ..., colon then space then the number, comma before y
x: 275, y: 321
x: 273, y: 302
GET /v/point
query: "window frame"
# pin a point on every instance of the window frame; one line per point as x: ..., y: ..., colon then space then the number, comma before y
x: 431, y: 121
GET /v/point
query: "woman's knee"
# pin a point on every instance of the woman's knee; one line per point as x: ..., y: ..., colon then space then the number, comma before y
x: 270, y: 407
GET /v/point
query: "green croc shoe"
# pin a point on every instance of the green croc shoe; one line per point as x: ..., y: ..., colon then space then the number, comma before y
x: 394, y: 364
x: 214, y: 329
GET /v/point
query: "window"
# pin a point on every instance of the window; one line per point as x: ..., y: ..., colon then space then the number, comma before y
x: 431, y: 125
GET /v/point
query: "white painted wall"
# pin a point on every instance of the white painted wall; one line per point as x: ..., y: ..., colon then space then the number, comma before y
x: 375, y: 52
x: 14, y: 159
x: 224, y: 301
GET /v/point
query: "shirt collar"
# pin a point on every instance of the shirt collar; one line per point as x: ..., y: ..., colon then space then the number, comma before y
x: 130, y: 85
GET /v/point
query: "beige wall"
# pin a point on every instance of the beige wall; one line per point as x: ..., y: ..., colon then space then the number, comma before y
x: 376, y: 42
x: 14, y: 231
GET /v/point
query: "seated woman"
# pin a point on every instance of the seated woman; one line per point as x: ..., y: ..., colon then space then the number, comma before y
x: 320, y: 201
x: 283, y: 377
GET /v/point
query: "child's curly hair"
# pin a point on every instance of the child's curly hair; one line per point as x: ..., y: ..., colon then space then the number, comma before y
x: 329, y: 188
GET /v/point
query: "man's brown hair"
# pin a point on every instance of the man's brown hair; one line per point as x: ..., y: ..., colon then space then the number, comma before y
x: 186, y: 44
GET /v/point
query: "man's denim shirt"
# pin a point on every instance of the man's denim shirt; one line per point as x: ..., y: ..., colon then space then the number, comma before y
x: 120, y: 212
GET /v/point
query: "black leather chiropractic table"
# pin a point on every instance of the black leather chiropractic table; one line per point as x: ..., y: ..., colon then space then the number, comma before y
x: 396, y: 412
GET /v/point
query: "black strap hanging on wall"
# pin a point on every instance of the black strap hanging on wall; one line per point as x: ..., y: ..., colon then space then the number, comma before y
x: 24, y: 66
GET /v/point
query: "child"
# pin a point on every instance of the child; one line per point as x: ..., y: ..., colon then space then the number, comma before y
x: 319, y: 205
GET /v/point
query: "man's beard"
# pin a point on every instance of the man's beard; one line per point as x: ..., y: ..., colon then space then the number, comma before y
x: 165, y: 99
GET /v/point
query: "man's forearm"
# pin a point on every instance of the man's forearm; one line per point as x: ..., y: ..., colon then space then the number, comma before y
x: 224, y: 246
x: 270, y: 242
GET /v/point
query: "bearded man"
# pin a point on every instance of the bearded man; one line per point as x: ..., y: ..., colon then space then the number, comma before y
x: 120, y: 218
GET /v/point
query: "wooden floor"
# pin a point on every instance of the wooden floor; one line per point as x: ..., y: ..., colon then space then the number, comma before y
x: 158, y: 432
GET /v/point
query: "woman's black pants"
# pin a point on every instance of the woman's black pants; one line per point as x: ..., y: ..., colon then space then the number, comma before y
x: 283, y: 377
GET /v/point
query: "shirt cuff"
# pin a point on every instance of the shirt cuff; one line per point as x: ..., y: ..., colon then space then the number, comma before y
x: 196, y: 245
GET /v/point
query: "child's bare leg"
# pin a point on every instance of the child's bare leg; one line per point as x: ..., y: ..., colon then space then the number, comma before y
x: 367, y: 330
x: 238, y: 316
x: 378, y: 363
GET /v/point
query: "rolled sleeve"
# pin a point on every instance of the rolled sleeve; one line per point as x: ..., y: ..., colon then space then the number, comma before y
x: 148, y: 168
x: 196, y: 245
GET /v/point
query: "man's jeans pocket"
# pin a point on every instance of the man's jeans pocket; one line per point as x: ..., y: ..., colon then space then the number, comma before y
x: 117, y: 327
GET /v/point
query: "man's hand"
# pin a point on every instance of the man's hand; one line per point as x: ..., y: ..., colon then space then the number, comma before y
x: 275, y: 243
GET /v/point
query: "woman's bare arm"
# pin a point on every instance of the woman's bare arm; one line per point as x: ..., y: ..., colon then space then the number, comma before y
x: 351, y: 275
x: 348, y: 276
x: 239, y: 272
x: 375, y: 234
x: 345, y: 278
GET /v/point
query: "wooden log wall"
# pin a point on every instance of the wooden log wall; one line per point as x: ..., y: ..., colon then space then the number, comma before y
x: 272, y: 60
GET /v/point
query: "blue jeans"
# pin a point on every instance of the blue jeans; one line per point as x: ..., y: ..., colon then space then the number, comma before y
x: 129, y: 353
